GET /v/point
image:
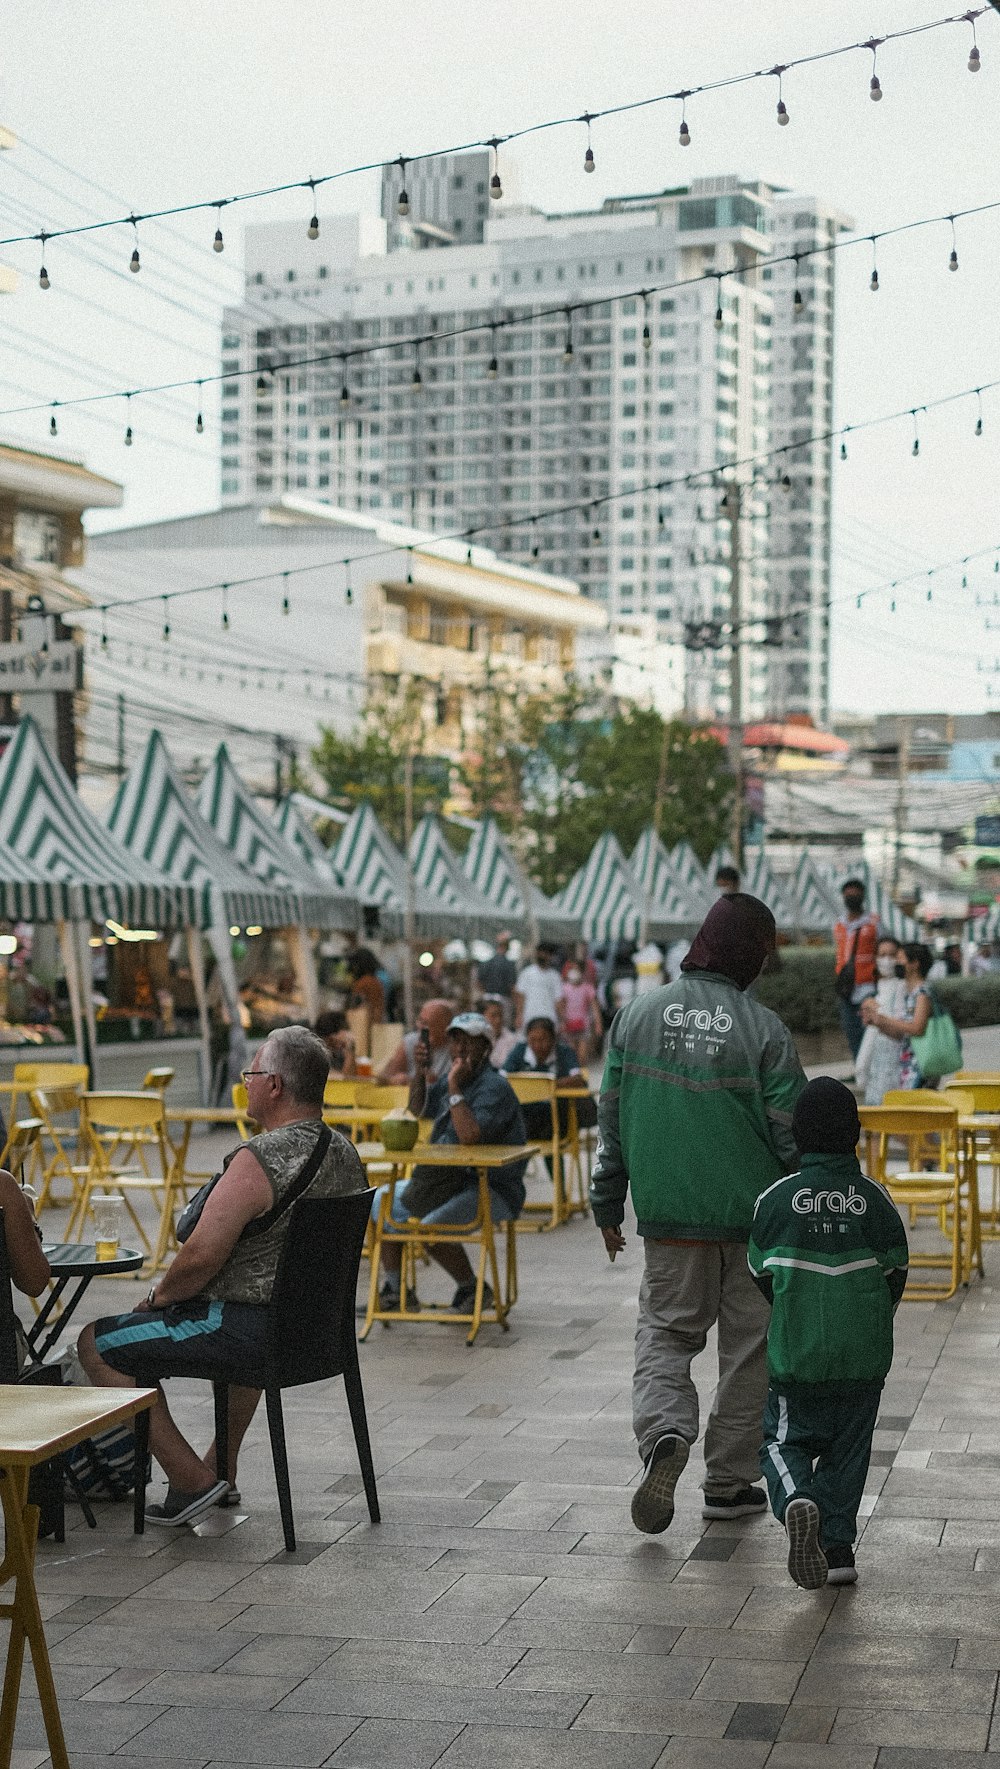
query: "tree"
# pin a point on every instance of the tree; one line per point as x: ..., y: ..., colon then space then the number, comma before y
x: 371, y: 763
x: 619, y: 772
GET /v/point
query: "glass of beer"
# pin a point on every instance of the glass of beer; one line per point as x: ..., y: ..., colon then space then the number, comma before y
x: 107, y: 1213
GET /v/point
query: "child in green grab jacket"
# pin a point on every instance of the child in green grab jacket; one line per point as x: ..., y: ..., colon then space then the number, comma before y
x: 828, y: 1250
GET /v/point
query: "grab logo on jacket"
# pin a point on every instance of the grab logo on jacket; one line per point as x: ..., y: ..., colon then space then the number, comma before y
x: 700, y: 1018
x: 849, y: 1203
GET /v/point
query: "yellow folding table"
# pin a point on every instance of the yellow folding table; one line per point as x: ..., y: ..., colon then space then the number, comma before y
x: 35, y: 1425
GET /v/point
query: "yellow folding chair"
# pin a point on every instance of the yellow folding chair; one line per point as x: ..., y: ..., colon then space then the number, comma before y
x: 938, y: 1181
x: 22, y: 1153
x: 157, y: 1080
x: 105, y: 1116
x: 981, y: 1095
x: 47, y: 1075
x: 536, y: 1090
x: 58, y: 1108
x: 243, y: 1123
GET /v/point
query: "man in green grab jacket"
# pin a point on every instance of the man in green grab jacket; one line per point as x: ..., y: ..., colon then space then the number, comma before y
x: 695, y: 1116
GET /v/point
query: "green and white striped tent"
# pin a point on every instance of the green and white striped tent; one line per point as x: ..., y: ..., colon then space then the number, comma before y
x: 437, y: 870
x: 605, y: 895
x: 895, y: 920
x: 45, y: 823
x: 758, y: 880
x: 492, y: 868
x: 296, y: 833
x: 692, y: 876
x: 27, y: 893
x: 375, y: 871
x: 815, y: 896
x: 722, y: 856
x: 242, y: 827
x: 672, y: 904
x: 155, y: 818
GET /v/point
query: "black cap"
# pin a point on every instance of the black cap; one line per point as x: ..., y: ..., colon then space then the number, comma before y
x: 825, y: 1120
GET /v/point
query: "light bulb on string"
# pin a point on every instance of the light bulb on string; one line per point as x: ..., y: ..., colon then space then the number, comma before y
x: 685, y: 134
x: 218, y: 243
x: 953, y: 260
x: 647, y: 336
x: 873, y: 282
x: 402, y: 201
x: 345, y: 391
x: 979, y: 414
x: 43, y: 275
x: 588, y: 158
x: 53, y: 426
x: 975, y: 60
x: 199, y: 422
x: 496, y: 188
x: 874, y: 87
x: 104, y: 629
x: 843, y: 451
x: 166, y: 618
x: 225, y: 608
x: 262, y: 381
x: 418, y: 380
x: 286, y: 606
x: 782, y: 113
x: 797, y: 301
x: 128, y: 426
x: 718, y: 307
x: 348, y: 592
x: 568, y: 346
x: 134, y: 264
x: 915, y: 450
x: 312, y: 231
x: 493, y: 366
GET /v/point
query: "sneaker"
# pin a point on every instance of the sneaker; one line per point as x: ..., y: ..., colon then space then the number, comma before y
x: 178, y: 1508
x: 806, y: 1560
x: 232, y: 1496
x: 389, y: 1299
x: 653, y: 1499
x: 840, y: 1562
x: 744, y: 1503
x: 464, y: 1299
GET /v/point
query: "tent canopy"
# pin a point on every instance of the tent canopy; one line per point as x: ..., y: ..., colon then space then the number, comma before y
x: 673, y: 906
x: 375, y: 871
x: 44, y: 821
x: 604, y: 895
x: 154, y: 817
x: 692, y: 876
x: 758, y: 880
x: 492, y: 868
x: 437, y: 870
x: 296, y: 833
x: 242, y: 827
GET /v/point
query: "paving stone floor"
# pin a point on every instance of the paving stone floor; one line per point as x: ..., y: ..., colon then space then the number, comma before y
x: 506, y: 1615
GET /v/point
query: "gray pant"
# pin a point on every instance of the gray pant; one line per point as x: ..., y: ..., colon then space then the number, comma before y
x: 684, y: 1292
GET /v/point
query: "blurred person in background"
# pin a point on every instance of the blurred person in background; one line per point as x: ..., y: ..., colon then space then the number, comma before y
x: 492, y: 1008
x: 918, y: 1005
x: 876, y: 1065
x: 432, y: 1033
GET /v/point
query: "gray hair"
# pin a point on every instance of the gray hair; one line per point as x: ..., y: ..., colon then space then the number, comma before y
x: 301, y: 1060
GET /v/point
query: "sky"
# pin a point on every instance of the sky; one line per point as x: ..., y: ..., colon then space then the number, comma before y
x: 121, y: 108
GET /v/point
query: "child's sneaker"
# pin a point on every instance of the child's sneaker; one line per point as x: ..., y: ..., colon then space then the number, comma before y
x: 748, y: 1502
x: 841, y: 1569
x: 807, y: 1563
x: 653, y: 1499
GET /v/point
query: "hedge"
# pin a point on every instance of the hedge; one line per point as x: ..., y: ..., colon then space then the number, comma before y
x: 800, y: 990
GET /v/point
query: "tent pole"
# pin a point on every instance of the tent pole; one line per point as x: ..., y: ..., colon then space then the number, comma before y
x: 409, y: 914
x: 196, y: 960
x: 72, y: 970
x: 305, y: 971
x: 81, y: 930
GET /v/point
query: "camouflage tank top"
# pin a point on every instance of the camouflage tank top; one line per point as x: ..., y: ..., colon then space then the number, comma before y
x: 249, y: 1272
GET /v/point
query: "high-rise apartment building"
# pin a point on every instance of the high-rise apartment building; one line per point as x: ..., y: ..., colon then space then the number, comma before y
x: 607, y: 354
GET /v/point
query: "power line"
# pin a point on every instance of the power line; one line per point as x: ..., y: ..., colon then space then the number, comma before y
x: 494, y: 142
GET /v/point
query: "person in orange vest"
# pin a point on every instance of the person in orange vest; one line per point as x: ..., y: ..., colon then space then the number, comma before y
x: 855, y: 939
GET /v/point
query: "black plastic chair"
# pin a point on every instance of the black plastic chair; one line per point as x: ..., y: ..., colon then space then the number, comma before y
x: 311, y: 1334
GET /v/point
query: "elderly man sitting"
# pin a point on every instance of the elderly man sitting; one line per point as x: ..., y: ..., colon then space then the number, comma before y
x: 432, y: 1032
x: 473, y: 1103
x: 210, y: 1306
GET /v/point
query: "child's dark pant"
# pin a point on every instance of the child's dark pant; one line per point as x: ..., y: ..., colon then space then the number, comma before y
x: 817, y: 1443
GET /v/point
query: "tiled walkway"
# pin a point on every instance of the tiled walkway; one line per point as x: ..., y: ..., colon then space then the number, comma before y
x: 506, y: 1615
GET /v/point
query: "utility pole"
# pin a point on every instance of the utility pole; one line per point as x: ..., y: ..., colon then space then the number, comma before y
x: 732, y: 510
x: 120, y: 763
x: 409, y: 906
x: 902, y: 778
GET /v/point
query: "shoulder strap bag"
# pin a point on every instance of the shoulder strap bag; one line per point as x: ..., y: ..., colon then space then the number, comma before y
x: 190, y: 1216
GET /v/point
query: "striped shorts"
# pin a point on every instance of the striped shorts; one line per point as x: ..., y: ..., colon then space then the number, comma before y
x: 211, y: 1341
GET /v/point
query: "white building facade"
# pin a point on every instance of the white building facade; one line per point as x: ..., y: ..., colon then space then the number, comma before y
x: 510, y: 422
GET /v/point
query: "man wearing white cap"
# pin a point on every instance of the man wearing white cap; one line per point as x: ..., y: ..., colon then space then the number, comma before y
x: 473, y: 1103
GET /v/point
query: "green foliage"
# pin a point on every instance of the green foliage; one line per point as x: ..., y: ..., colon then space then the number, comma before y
x: 800, y: 991
x: 371, y: 765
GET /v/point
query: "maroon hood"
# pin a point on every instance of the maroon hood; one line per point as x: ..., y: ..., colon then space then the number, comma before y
x: 734, y: 939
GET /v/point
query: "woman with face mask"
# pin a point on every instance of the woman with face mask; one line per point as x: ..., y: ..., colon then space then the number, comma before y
x: 911, y: 1022
x: 877, y: 1063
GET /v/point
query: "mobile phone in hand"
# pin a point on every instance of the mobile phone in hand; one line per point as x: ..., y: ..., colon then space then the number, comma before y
x: 424, y: 1039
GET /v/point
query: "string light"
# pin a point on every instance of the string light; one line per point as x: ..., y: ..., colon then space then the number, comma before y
x: 286, y: 606
x: 797, y: 301
x: 647, y: 336
x: 166, y: 617
x: 873, y: 282
x: 345, y: 391
x: 104, y: 630
x: 953, y: 260
x: 685, y: 134
x: 418, y: 380
x: 128, y: 425
x: 783, y: 118
x: 916, y: 435
x: 43, y: 275
x: 874, y: 89
x: 312, y: 231
x: 496, y: 188
x: 979, y: 413
x: 493, y: 366
x: 588, y: 158
x: 719, y: 316
x: 199, y: 422
x: 53, y: 426
x: 460, y: 331
x: 568, y: 346
x: 225, y: 608
x: 134, y: 264
x: 974, y: 62
x: 218, y: 243
x: 348, y: 592
x: 402, y: 201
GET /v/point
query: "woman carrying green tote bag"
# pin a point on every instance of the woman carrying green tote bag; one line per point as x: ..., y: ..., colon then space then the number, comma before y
x: 930, y: 1046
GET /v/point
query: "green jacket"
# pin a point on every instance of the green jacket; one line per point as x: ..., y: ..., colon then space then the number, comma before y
x: 828, y: 1250
x: 695, y: 1110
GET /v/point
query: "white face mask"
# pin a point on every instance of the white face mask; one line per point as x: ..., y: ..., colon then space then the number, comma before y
x: 886, y: 966
x: 573, y: 976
